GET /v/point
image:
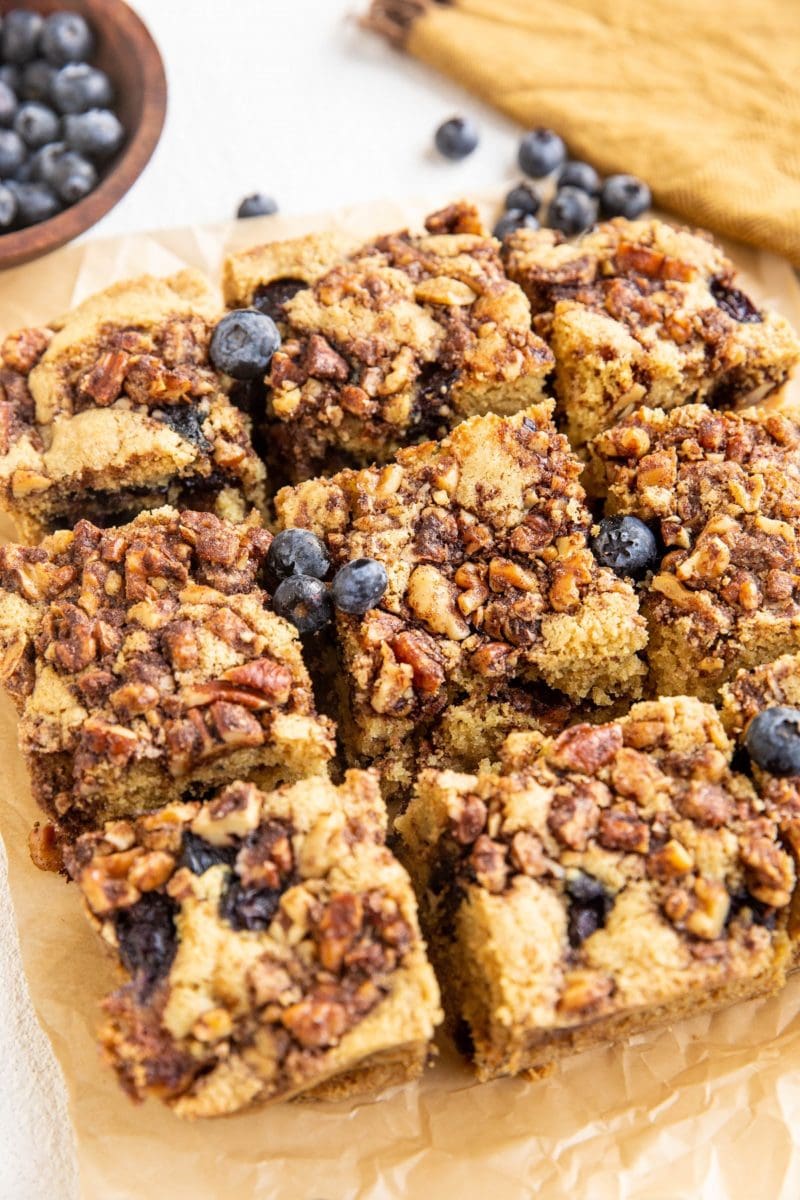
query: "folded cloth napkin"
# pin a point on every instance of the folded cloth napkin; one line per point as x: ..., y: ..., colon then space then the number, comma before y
x: 699, y: 97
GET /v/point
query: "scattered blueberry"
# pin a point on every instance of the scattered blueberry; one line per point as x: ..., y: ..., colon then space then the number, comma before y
x: 540, y: 152
x: 358, y: 585
x: 8, y: 104
x: 456, y: 138
x: 257, y: 205
x: 773, y: 740
x: 36, y: 81
x: 513, y: 220
x: 571, y: 211
x: 8, y: 207
x: 66, y: 37
x: 305, y: 601
x: 243, y: 343
x: 581, y: 175
x: 36, y: 124
x: 79, y: 87
x: 12, y: 152
x: 73, y: 176
x: 36, y: 202
x: 199, y: 855
x: 624, y: 196
x: 733, y: 302
x: 297, y: 552
x: 20, y: 35
x: 249, y: 907
x: 96, y: 133
x: 147, y: 937
x: 524, y: 197
x: 626, y: 545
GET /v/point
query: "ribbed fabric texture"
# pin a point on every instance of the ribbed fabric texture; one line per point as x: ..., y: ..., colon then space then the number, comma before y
x: 699, y: 97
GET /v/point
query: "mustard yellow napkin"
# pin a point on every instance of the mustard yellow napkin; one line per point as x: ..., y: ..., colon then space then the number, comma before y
x: 699, y: 97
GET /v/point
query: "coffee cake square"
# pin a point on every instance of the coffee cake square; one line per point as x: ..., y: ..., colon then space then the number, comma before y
x: 722, y: 491
x: 641, y: 312
x: 394, y: 342
x: 270, y: 946
x: 147, y: 667
x: 595, y: 885
x: 116, y: 408
x: 493, y: 589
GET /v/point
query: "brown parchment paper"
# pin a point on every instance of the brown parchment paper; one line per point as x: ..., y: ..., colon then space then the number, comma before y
x: 706, y: 1110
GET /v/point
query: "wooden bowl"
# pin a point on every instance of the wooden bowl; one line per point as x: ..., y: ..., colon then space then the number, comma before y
x: 127, y: 53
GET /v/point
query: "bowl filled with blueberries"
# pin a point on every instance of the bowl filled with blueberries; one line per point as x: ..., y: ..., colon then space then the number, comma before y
x: 82, y: 106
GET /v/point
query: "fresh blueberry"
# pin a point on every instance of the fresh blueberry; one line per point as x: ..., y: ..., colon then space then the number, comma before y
x: 66, y: 37
x: 456, y: 138
x: 12, y: 152
x: 20, y: 35
x: 571, y: 211
x: 147, y: 937
x: 513, y: 220
x: 44, y: 162
x: 257, y: 205
x: 773, y: 740
x: 581, y: 175
x: 11, y: 76
x: 243, y: 343
x: 297, y: 552
x: 37, y: 79
x: 524, y: 197
x: 305, y: 601
x: 540, y: 152
x: 78, y: 87
x: 36, y: 124
x: 624, y: 196
x: 35, y: 201
x: 74, y: 177
x: 8, y: 104
x: 358, y: 585
x: 626, y: 545
x: 8, y: 207
x: 96, y: 133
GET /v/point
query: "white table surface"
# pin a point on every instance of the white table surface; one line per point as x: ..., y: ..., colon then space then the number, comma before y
x: 292, y: 98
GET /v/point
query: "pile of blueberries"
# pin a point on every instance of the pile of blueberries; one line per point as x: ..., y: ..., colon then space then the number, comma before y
x: 57, y: 129
x: 299, y: 560
x: 580, y: 197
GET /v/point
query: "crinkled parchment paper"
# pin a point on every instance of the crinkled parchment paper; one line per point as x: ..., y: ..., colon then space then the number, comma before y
x: 708, y: 1109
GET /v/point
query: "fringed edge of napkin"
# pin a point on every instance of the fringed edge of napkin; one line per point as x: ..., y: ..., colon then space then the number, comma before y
x: 394, y: 19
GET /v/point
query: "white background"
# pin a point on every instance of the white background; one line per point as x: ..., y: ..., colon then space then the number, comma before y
x: 292, y: 98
